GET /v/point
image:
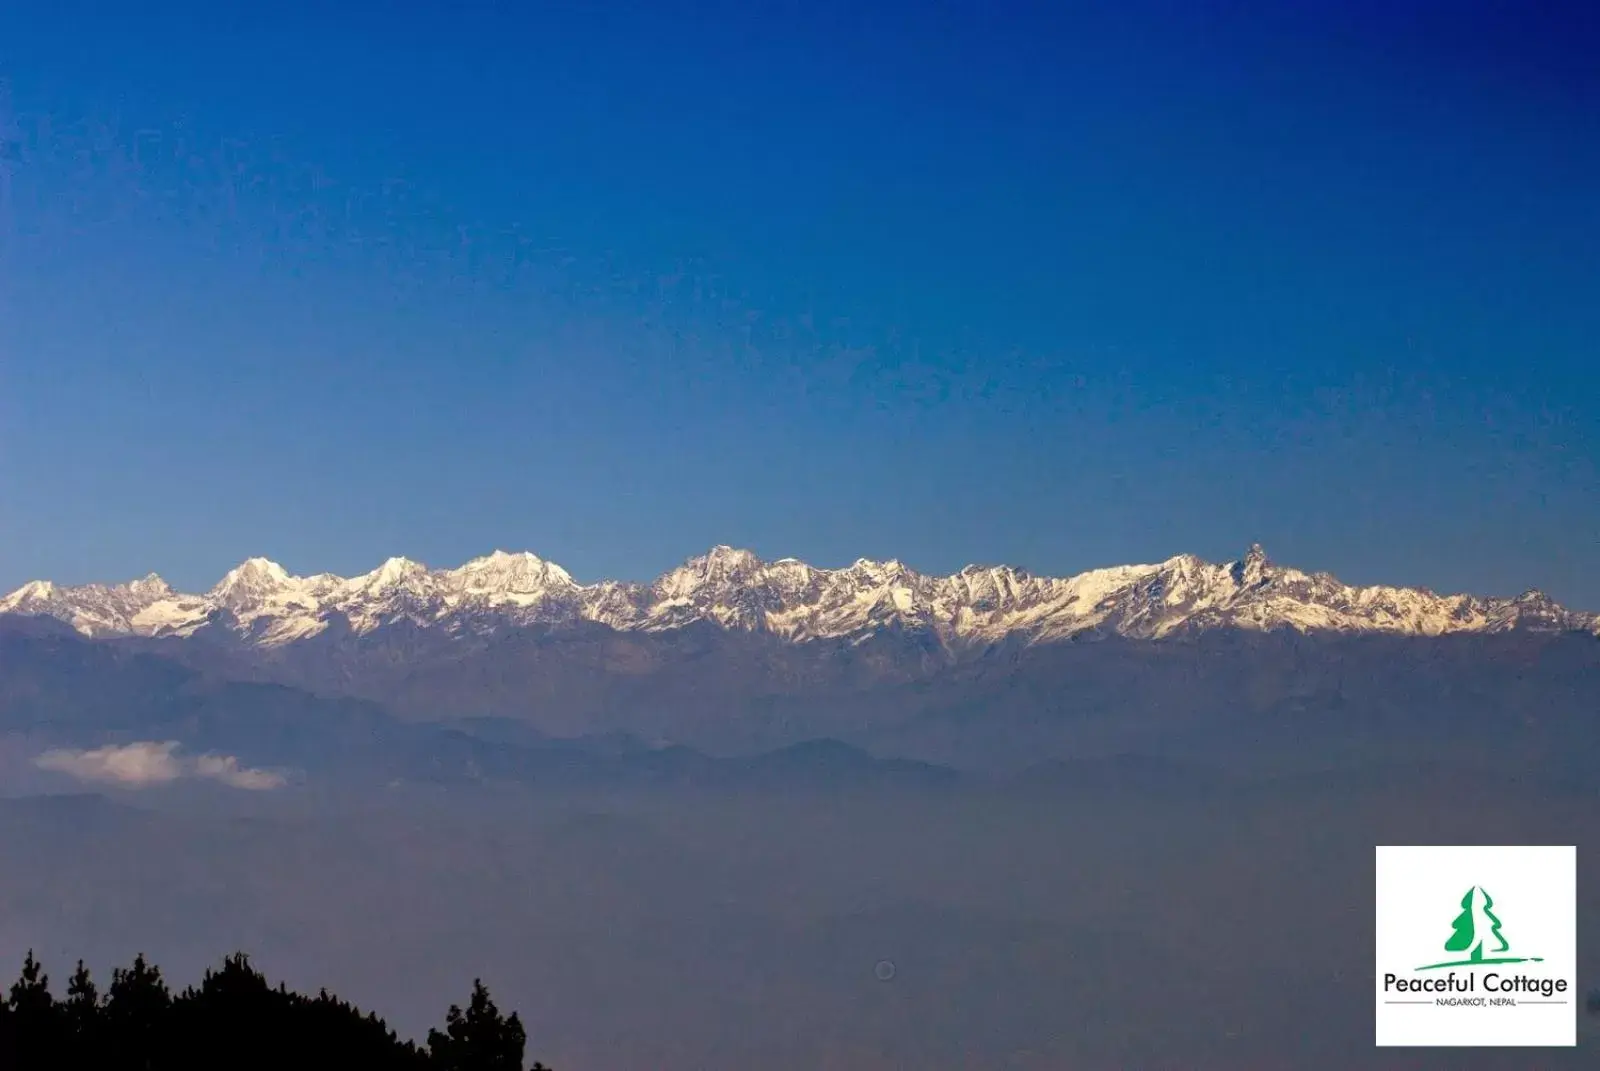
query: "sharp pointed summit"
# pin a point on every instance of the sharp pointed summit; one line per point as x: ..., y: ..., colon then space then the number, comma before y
x: 151, y: 585
x: 1252, y: 568
x: 725, y: 558
x: 392, y: 572
x: 249, y: 582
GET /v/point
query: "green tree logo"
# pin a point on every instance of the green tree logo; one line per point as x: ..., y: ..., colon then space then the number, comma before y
x: 1473, y: 932
x: 1476, y: 924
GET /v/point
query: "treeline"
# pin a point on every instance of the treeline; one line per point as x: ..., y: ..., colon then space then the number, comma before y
x: 233, y: 1019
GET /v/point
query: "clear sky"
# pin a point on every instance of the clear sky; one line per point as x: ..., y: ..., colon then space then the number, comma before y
x: 1062, y: 285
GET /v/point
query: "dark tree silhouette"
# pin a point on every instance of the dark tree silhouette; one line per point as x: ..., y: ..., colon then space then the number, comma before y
x: 83, y: 1001
x: 478, y: 1039
x: 135, y: 1016
x: 234, y: 1018
x: 81, y: 1020
x: 8, y: 1036
x: 30, y: 994
x: 36, y: 1020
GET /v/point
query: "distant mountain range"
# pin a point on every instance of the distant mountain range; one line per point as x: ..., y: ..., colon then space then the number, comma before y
x: 261, y: 605
x: 1242, y: 663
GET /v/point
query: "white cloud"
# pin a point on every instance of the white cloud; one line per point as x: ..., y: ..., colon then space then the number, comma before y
x: 148, y: 762
x: 132, y: 765
x: 226, y: 768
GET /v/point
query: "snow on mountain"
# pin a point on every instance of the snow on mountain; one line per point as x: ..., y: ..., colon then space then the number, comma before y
x: 265, y: 605
x: 93, y: 609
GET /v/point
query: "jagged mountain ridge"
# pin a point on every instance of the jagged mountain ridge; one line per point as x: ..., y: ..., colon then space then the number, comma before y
x: 263, y: 605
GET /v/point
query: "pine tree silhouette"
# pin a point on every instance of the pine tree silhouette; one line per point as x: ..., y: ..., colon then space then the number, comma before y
x: 30, y: 994
x: 137, y: 1015
x: 236, y: 1019
x: 84, y: 1021
x: 83, y: 999
x: 8, y: 1037
x: 478, y: 1039
x: 34, y: 1013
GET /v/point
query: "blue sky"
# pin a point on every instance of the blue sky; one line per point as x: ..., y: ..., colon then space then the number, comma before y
x: 1059, y: 285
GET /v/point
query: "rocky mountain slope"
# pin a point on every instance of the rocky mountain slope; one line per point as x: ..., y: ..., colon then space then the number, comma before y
x: 262, y: 605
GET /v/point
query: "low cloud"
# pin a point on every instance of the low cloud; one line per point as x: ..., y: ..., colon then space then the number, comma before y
x: 132, y: 765
x: 226, y: 768
x: 148, y: 762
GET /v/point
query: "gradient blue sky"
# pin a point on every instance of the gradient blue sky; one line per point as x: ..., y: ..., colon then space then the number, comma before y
x: 1060, y: 285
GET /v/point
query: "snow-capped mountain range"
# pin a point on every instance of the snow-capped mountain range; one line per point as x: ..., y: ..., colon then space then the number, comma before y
x: 263, y: 605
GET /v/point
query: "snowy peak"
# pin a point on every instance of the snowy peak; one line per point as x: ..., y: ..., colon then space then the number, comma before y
x: 264, y: 605
x: 726, y: 557
x: 259, y: 570
x: 1252, y: 569
x: 248, y: 582
x: 150, y: 586
x: 393, y: 573
x: 719, y: 566
x: 502, y: 572
x: 92, y: 609
x: 33, y: 593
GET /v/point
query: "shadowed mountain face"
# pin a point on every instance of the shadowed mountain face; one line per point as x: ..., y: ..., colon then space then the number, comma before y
x: 1267, y: 701
x: 1272, y: 700
x: 99, y: 703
